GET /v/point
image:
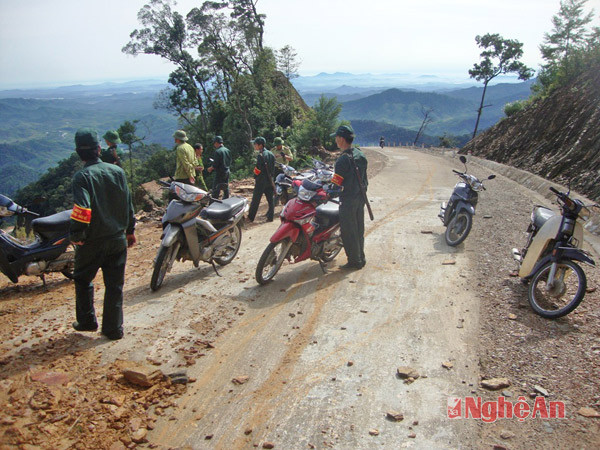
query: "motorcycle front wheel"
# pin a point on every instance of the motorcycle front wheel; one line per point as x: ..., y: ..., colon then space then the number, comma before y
x: 271, y: 260
x: 458, y: 229
x: 564, y: 296
x: 163, y: 263
x: 232, y: 247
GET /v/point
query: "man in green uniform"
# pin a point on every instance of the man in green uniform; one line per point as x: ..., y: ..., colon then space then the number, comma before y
x: 102, y: 227
x: 263, y: 181
x: 199, y: 149
x: 185, y: 170
x: 111, y: 155
x: 221, y: 164
x: 283, y: 154
x: 352, y: 204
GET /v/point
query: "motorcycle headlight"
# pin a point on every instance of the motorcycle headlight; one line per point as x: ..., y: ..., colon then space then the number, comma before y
x: 305, y: 194
x: 187, y: 193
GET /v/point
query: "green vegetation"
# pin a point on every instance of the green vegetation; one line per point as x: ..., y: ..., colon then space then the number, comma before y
x: 569, y: 48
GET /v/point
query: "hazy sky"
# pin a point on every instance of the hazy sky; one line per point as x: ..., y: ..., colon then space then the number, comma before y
x: 64, y: 41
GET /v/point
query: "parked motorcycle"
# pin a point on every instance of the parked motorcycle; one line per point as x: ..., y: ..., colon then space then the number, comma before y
x: 309, y: 228
x: 288, y: 183
x: 557, y: 283
x: 197, y: 232
x: 49, y: 252
x: 457, y: 215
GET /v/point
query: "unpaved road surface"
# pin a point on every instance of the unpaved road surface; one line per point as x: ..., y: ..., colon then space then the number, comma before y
x: 314, y: 355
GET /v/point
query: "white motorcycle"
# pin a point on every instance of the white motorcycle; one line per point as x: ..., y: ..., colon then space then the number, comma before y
x: 557, y: 284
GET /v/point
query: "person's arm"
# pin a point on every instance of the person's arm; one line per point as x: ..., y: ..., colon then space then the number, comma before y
x: 81, y: 216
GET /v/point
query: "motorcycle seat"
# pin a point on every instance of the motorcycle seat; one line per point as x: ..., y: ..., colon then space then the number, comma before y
x: 329, y: 211
x: 311, y: 185
x: 59, y: 222
x: 223, y: 210
x: 541, y: 215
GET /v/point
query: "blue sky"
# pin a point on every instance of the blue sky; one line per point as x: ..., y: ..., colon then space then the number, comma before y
x: 53, y: 42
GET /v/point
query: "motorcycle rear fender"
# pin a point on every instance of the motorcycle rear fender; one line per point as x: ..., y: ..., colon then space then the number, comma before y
x: 285, y: 230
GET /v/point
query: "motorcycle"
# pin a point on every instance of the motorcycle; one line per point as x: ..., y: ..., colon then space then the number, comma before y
x: 457, y: 215
x: 557, y: 284
x: 309, y: 228
x: 196, y: 231
x: 289, y: 181
x: 49, y: 252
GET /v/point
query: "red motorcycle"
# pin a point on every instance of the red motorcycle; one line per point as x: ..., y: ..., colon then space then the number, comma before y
x: 310, y: 228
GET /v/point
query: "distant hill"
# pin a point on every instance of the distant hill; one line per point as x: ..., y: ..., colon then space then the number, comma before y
x: 37, y: 126
x: 368, y: 133
x: 454, y: 112
x: 557, y: 137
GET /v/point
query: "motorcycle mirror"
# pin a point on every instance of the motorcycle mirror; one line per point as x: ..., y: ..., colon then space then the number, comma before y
x: 491, y: 177
x: 463, y: 159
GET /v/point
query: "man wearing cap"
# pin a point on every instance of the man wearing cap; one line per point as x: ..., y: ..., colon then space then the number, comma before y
x: 102, y: 228
x: 185, y: 170
x: 111, y: 155
x: 263, y: 179
x: 283, y: 154
x: 352, y: 204
x: 221, y: 164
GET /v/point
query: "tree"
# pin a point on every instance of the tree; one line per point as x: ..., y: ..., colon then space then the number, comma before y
x: 288, y: 64
x: 500, y: 56
x: 127, y: 134
x: 564, y: 49
x: 427, y: 119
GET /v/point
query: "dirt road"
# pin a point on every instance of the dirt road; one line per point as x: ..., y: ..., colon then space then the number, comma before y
x: 310, y: 360
x: 321, y: 350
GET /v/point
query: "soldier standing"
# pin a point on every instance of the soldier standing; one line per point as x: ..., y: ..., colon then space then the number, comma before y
x: 102, y: 227
x: 185, y: 170
x: 111, y: 155
x: 352, y: 203
x: 198, y: 149
x: 282, y: 153
x: 263, y: 180
x: 221, y: 164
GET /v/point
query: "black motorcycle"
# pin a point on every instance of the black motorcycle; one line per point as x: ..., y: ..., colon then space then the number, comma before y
x: 289, y: 181
x: 457, y: 215
x: 49, y: 252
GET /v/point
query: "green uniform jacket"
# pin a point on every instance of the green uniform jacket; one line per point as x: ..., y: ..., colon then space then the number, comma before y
x: 186, y: 162
x: 108, y: 155
x: 222, y: 161
x: 280, y: 159
x: 103, y: 210
x: 200, y: 174
x: 265, y: 165
x: 345, y: 175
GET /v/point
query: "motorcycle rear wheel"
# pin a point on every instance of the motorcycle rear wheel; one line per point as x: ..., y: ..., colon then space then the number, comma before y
x: 458, y: 229
x: 233, y: 246
x: 271, y: 260
x: 163, y: 264
x: 334, y: 249
x: 566, y: 294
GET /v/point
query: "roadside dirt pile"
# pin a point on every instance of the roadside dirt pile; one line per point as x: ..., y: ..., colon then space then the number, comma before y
x: 557, y: 138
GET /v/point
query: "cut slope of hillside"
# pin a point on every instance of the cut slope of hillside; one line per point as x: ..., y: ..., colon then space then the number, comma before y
x: 557, y: 138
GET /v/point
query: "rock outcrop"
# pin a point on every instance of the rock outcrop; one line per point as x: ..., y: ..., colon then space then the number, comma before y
x: 557, y: 138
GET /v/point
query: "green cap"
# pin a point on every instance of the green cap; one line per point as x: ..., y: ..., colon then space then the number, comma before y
x: 218, y: 139
x: 260, y: 141
x: 112, y: 137
x: 277, y: 141
x: 86, y: 139
x: 344, y: 131
x: 180, y: 135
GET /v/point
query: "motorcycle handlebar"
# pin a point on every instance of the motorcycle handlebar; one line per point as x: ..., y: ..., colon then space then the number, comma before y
x: 163, y: 183
x: 557, y: 192
x: 456, y: 171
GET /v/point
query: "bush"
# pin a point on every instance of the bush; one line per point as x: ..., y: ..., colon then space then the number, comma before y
x: 513, y: 108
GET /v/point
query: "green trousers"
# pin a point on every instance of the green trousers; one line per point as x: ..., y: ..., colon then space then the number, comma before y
x: 352, y: 229
x: 110, y: 256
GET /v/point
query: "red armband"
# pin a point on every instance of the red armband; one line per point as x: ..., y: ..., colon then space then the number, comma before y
x: 337, y: 179
x: 83, y: 215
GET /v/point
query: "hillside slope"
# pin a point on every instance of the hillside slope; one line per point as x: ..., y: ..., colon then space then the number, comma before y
x: 557, y: 138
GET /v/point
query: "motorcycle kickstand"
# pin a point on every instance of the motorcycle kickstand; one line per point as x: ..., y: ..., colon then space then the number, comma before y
x: 323, y: 265
x: 43, y: 277
x: 214, y: 267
